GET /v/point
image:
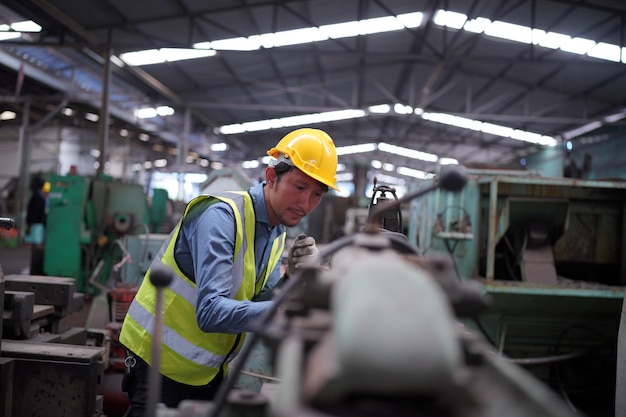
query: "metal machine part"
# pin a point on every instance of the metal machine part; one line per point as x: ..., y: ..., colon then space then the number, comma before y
x: 376, y: 334
x: 550, y: 252
x: 45, y: 367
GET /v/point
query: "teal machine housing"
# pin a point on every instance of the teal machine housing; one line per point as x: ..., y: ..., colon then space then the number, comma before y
x: 88, y: 218
x: 551, y: 254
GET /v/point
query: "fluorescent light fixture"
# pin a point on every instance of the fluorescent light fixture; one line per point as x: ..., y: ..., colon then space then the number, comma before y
x: 550, y: 40
x: 341, y: 167
x: 250, y: 164
x: 509, y: 31
x: 490, y: 128
x: 411, y: 172
x: 147, y: 164
x: 448, y: 161
x: 578, y: 46
x: 379, y: 109
x: 300, y: 120
x: 606, y: 51
x: 157, y: 56
x: 376, y: 164
x: 219, y: 147
x: 388, y: 167
x: 402, y: 109
x: 5, y: 36
x: 389, y: 179
x: 203, y: 162
x: 215, y: 164
x: 450, y: 19
x: 149, y: 112
x: 7, y: 115
x: 144, y: 137
x: 67, y: 111
x: 477, y: 25
x: 164, y: 111
x: 528, y: 35
x: 123, y: 132
x: 26, y: 26
x: 346, y: 176
x: 352, y: 149
x: 92, y: 117
x: 407, y: 152
x: 160, y: 163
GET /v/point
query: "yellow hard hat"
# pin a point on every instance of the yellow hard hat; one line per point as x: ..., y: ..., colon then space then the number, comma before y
x: 46, y: 187
x: 312, y: 151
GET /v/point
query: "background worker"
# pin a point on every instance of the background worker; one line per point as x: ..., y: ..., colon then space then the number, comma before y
x: 225, y: 255
x: 36, y: 214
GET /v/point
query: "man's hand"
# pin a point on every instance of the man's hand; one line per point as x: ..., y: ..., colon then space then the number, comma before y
x: 302, y: 251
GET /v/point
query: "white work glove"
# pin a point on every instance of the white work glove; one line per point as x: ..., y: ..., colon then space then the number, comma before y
x: 302, y: 250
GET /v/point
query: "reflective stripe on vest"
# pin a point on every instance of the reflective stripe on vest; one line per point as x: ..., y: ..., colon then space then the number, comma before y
x: 189, y: 355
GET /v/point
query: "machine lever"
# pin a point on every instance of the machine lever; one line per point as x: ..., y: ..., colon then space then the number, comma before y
x: 160, y: 278
x: 7, y: 223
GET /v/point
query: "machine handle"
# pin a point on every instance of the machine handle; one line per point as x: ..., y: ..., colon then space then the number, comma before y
x: 7, y: 223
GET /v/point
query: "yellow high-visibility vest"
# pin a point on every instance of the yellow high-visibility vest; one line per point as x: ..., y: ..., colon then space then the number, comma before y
x: 189, y: 355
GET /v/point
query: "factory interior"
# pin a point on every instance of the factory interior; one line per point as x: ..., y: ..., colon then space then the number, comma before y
x: 472, y: 259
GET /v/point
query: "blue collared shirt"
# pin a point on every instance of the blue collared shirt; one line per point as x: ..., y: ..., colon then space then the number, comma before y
x: 204, y: 252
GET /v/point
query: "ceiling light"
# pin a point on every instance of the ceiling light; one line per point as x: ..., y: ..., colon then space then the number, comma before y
x: 380, y: 108
x: 92, y: 117
x: 26, y: 26
x: 409, y: 153
x: 219, y: 147
x: 410, y: 172
x: 352, y: 149
x: 7, y: 115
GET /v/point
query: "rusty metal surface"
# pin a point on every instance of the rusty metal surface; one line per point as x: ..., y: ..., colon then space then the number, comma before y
x: 54, y: 388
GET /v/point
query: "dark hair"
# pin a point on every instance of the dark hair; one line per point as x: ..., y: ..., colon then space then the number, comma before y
x: 282, y: 168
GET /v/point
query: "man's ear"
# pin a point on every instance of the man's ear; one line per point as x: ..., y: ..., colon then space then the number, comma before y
x: 270, y: 176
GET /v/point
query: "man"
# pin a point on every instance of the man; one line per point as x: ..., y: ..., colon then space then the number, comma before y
x: 225, y: 255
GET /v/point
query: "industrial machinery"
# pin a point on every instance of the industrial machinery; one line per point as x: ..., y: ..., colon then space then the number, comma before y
x: 46, y: 367
x: 373, y: 328
x: 86, y: 220
x: 551, y: 254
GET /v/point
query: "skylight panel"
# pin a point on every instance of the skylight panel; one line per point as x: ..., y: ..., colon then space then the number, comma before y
x: 352, y: 149
x: 509, y: 31
x: 234, y: 44
x: 5, y: 36
x: 409, y: 153
x: 341, y: 30
x: 26, y: 26
x: 450, y: 19
x: 411, y: 172
x: 606, y: 51
x: 477, y: 25
x: 411, y: 20
x: 379, y: 24
x: 578, y: 46
x: 379, y: 109
x: 550, y: 40
x: 157, y: 56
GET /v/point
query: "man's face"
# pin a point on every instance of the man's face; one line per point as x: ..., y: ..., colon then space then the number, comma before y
x: 291, y: 198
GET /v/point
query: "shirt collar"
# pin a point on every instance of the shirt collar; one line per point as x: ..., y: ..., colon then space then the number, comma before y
x: 258, y: 200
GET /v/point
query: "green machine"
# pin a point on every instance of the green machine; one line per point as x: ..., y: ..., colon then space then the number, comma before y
x: 86, y: 220
x: 550, y: 252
